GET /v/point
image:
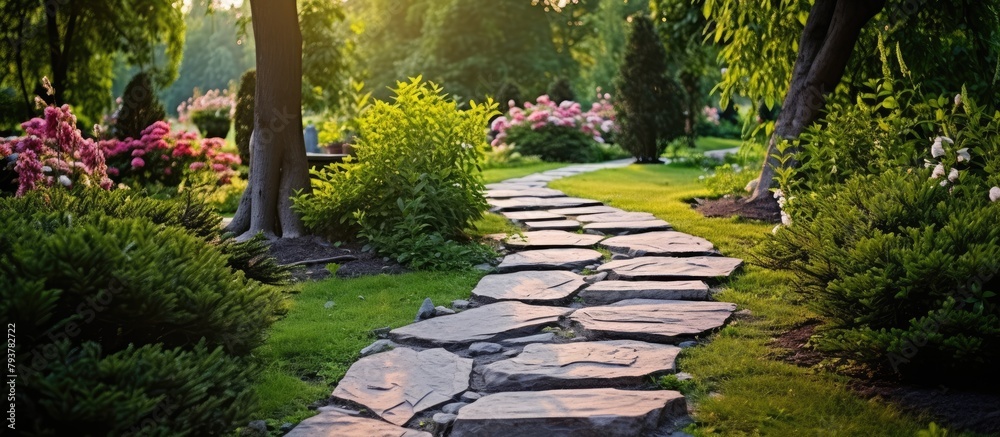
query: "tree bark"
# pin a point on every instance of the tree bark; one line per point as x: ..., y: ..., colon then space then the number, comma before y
x: 278, y: 165
x: 827, y: 42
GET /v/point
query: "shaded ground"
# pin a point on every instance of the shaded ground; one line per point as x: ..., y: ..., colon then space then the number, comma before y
x: 766, y: 210
x: 954, y: 409
x: 296, y: 250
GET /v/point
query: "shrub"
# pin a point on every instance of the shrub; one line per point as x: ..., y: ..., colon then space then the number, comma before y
x: 124, y: 325
x: 554, y: 143
x: 649, y: 101
x: 900, y: 258
x: 728, y: 179
x: 508, y: 92
x: 212, y: 112
x: 53, y: 154
x: 138, y: 109
x: 417, y: 164
x: 561, y: 91
x: 243, y: 114
x: 561, y: 133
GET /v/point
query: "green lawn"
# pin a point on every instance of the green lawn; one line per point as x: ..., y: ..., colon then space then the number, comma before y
x: 707, y: 144
x: 499, y: 174
x: 741, y: 387
x: 328, y: 323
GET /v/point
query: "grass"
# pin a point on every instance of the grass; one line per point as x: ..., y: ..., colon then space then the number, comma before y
x: 499, y: 174
x: 328, y: 323
x: 741, y: 385
x: 707, y: 144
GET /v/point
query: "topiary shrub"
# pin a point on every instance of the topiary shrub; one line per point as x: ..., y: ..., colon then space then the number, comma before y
x: 124, y: 325
x: 139, y: 108
x: 561, y: 91
x: 417, y: 165
x: 508, y: 92
x: 648, y: 101
x: 243, y: 117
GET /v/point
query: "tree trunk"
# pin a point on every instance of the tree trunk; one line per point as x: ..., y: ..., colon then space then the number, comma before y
x: 826, y: 45
x: 278, y: 166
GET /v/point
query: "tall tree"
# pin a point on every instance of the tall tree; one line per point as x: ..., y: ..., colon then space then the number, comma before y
x: 278, y: 159
x: 73, y: 42
x: 823, y: 38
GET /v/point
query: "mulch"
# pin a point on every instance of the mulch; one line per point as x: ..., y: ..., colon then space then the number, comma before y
x: 765, y: 210
x: 312, y: 248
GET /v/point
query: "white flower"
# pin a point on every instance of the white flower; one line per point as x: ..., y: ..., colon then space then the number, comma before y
x: 786, y: 219
x: 938, y: 171
x: 953, y: 175
x: 994, y: 194
x: 944, y: 183
x: 937, y: 150
x: 778, y: 193
x: 46, y: 169
x: 782, y: 202
x: 64, y: 180
x: 958, y: 100
x: 775, y: 230
x: 963, y: 155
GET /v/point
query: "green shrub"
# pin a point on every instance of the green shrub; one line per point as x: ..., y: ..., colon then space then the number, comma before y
x: 561, y: 91
x: 417, y: 163
x: 508, y: 92
x: 554, y: 143
x: 243, y: 117
x: 123, y: 321
x: 139, y: 108
x: 728, y: 179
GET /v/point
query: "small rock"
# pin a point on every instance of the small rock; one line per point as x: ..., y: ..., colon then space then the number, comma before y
x: 484, y: 348
x: 453, y: 407
x: 382, y: 332
x: 619, y: 256
x: 511, y: 353
x: 460, y: 304
x: 592, y: 267
x: 470, y: 397
x: 286, y: 427
x: 577, y: 271
x: 545, y: 337
x: 595, y: 278
x: 576, y: 305
x: 378, y: 346
x: 329, y: 304
x: 443, y: 422
x: 683, y: 376
x: 579, y: 339
x: 687, y: 344
x: 255, y: 428
x: 426, y: 310
x: 486, y: 267
x: 443, y: 311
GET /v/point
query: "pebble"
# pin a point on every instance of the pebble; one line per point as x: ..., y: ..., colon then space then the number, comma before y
x: 443, y: 311
x: 470, y: 397
x: 378, y: 346
x: 484, y: 348
x: 426, y: 310
x: 453, y: 407
x: 460, y: 304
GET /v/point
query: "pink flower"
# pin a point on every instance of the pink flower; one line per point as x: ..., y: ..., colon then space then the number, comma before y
x: 195, y: 166
x: 137, y: 162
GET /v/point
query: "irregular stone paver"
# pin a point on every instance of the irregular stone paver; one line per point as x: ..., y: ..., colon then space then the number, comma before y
x: 628, y: 226
x: 402, y: 382
x: 585, y: 210
x: 549, y: 259
x: 525, y: 192
x: 653, y: 320
x: 334, y: 422
x: 507, y: 185
x: 523, y: 216
x: 553, y: 225
x: 600, y: 412
x: 605, y: 292
x: 662, y: 267
x: 529, y: 287
x: 668, y: 243
x: 580, y: 365
x: 487, y: 323
x: 616, y: 217
x: 551, y: 240
x: 531, y: 203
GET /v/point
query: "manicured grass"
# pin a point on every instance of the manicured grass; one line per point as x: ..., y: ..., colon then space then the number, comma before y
x: 328, y: 323
x: 705, y: 144
x: 498, y: 174
x: 491, y: 223
x: 752, y: 391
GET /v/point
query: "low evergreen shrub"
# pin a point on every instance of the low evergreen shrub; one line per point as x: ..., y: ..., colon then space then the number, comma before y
x: 554, y: 143
x: 139, y: 108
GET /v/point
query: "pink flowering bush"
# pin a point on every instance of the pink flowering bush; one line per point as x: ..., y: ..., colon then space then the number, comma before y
x: 53, y: 153
x: 212, y: 112
x: 160, y: 155
x: 556, y: 132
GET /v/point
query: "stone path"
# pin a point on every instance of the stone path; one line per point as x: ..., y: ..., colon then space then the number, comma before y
x: 559, y: 341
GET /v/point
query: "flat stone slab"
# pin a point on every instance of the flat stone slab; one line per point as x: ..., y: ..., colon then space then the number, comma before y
x: 605, y: 292
x: 513, y: 185
x: 533, y: 203
x: 594, y: 364
x: 551, y: 240
x: 334, y: 422
x: 549, y: 259
x: 402, y: 382
x: 602, y: 412
x: 487, y: 323
x: 529, y: 287
x: 553, y: 225
x: 523, y: 216
x: 631, y: 227
x: 585, y: 210
x: 662, y: 267
x: 616, y: 217
x: 667, y: 243
x: 524, y: 192
x: 659, y: 321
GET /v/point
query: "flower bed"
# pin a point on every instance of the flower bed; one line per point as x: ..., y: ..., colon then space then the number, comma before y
x: 556, y: 132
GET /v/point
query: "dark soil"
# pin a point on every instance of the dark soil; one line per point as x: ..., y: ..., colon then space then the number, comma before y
x: 297, y: 250
x: 765, y: 210
x: 957, y: 409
